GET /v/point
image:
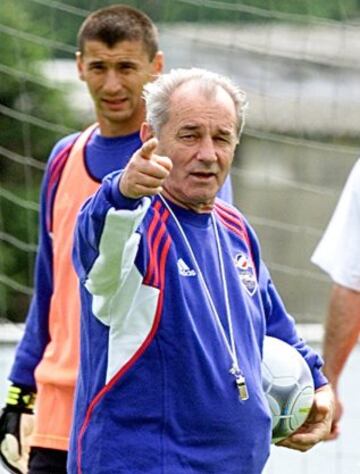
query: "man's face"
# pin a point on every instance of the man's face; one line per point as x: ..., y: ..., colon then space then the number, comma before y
x: 200, y: 138
x: 115, y: 78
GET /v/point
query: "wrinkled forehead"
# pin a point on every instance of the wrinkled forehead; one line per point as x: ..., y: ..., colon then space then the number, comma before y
x: 197, y: 102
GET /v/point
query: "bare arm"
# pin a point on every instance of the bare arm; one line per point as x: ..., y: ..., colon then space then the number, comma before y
x: 341, y: 334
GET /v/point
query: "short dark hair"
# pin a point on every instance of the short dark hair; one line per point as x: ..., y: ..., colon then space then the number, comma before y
x: 116, y: 23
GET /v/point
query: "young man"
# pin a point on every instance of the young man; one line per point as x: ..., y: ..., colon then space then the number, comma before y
x: 176, y: 302
x: 118, y: 54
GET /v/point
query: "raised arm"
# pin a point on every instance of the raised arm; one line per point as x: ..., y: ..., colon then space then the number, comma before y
x: 106, y: 240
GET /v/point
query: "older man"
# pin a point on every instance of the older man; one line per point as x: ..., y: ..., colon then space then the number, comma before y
x: 176, y: 302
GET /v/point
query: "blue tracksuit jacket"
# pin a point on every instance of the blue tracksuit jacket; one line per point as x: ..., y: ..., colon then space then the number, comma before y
x: 154, y: 394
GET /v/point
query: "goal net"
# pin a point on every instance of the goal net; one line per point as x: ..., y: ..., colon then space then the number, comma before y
x: 298, y: 62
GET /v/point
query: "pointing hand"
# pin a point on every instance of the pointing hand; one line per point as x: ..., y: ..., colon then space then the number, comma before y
x: 146, y: 172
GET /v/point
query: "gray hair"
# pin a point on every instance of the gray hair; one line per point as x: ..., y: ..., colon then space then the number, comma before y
x: 158, y: 94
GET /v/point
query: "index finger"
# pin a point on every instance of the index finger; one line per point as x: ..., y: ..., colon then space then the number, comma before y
x: 148, y: 148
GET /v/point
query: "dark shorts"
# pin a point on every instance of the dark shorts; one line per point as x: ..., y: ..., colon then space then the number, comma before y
x: 47, y: 461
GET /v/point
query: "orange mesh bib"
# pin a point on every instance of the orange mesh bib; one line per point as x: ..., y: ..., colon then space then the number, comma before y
x: 56, y: 374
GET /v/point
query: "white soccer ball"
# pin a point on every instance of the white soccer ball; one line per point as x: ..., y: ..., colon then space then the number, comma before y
x: 288, y: 385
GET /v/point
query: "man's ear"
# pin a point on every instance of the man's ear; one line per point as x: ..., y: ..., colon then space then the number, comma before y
x: 158, y: 63
x: 146, y: 132
x: 80, y: 65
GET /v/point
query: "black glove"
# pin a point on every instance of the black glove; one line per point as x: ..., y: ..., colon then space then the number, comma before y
x: 16, y: 424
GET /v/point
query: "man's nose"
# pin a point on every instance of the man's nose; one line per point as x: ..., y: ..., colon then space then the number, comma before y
x: 112, y: 82
x: 207, y: 151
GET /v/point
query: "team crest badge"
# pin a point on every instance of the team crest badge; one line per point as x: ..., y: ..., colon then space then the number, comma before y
x: 246, y: 273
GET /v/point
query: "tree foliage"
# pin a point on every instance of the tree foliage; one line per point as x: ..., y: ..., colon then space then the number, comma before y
x: 33, y: 115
